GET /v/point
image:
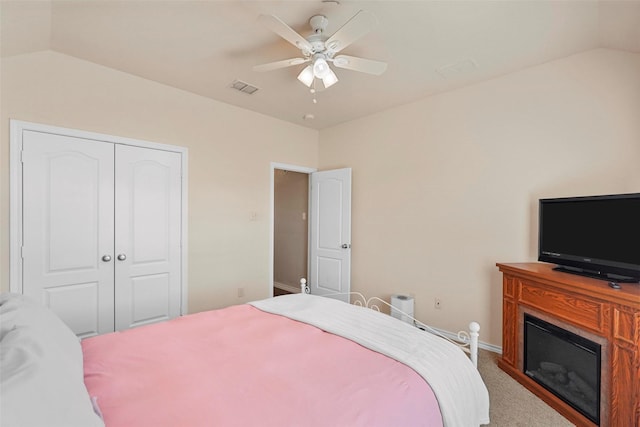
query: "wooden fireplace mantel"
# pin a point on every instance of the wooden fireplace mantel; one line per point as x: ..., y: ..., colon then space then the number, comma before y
x: 610, y: 315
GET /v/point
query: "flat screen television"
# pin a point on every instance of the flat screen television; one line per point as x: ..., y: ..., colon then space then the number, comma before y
x: 597, y: 236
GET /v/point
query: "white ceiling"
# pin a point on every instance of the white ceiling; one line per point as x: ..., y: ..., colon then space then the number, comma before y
x: 202, y: 46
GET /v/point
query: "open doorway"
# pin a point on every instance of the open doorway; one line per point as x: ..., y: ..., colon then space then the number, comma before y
x: 290, y: 230
x: 290, y: 227
x: 326, y: 218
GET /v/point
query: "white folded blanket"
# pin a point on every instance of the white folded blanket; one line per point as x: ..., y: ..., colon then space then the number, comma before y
x: 462, y: 396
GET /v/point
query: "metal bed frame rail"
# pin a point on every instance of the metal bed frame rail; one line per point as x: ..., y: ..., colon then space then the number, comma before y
x: 466, y: 340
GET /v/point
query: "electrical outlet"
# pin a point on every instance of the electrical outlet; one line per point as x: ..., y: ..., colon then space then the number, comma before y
x: 240, y: 292
x: 437, y: 303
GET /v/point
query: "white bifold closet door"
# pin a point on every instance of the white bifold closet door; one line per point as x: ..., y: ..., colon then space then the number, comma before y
x: 101, y: 231
x: 147, y: 236
x: 68, y: 224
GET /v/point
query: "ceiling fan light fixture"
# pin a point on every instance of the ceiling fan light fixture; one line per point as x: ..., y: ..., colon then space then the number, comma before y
x: 330, y: 79
x: 306, y: 76
x: 319, y: 51
x: 321, y: 67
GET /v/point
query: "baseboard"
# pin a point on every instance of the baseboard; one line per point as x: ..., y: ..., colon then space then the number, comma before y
x: 287, y: 288
x: 490, y: 347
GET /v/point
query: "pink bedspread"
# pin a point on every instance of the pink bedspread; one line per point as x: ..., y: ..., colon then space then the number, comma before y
x: 240, y: 366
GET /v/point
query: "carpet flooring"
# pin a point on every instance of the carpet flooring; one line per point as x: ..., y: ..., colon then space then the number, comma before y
x: 512, y: 405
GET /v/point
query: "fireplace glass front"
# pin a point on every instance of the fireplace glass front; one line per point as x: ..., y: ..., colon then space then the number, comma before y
x: 564, y: 363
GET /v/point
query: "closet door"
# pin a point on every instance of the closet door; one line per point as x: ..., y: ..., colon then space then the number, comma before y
x: 147, y: 235
x: 68, y: 214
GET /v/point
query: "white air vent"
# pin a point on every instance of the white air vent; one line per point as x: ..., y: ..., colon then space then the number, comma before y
x: 244, y: 87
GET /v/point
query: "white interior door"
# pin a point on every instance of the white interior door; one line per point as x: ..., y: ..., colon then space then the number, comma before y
x: 67, y: 249
x: 330, y: 235
x: 147, y: 236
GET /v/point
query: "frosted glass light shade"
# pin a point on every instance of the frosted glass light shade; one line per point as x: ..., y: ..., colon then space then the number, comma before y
x: 330, y: 79
x: 306, y: 76
x: 320, y: 68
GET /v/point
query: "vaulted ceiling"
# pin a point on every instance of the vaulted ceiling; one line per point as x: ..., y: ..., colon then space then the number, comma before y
x: 430, y: 46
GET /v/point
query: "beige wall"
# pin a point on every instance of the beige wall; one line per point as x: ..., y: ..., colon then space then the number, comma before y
x: 230, y: 155
x: 446, y: 187
x: 442, y: 188
x: 290, y: 227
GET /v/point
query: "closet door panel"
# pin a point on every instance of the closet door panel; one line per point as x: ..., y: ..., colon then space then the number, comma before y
x: 68, y: 228
x: 148, y: 209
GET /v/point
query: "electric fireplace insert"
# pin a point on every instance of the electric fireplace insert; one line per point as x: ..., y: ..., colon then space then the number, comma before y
x: 564, y: 363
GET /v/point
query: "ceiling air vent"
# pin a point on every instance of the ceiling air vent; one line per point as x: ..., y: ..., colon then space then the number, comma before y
x: 244, y: 87
x: 466, y: 66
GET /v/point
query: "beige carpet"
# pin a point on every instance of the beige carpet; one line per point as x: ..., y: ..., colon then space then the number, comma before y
x: 512, y: 405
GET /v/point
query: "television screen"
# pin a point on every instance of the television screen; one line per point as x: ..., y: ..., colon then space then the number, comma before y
x: 598, y: 234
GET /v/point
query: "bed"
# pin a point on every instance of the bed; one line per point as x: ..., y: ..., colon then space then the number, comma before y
x: 294, y: 360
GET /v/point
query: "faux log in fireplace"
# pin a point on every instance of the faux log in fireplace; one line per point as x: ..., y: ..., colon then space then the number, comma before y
x: 606, y: 321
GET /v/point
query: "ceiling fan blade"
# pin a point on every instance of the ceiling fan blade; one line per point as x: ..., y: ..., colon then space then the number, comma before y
x: 359, y: 25
x: 286, y: 32
x: 279, y: 64
x: 368, y: 66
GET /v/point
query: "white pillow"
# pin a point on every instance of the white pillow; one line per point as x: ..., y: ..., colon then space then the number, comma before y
x: 42, y: 378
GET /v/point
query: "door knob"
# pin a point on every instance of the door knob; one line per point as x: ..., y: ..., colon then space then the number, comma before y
x: 106, y: 258
x: 346, y: 246
x: 122, y: 257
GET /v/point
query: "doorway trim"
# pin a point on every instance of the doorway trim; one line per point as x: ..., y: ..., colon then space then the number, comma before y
x: 16, y: 129
x: 272, y: 218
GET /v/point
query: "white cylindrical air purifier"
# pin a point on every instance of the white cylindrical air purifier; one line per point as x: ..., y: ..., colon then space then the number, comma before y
x: 402, y: 308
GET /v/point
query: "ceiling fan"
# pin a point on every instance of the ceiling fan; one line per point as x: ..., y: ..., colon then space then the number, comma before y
x: 320, y: 50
